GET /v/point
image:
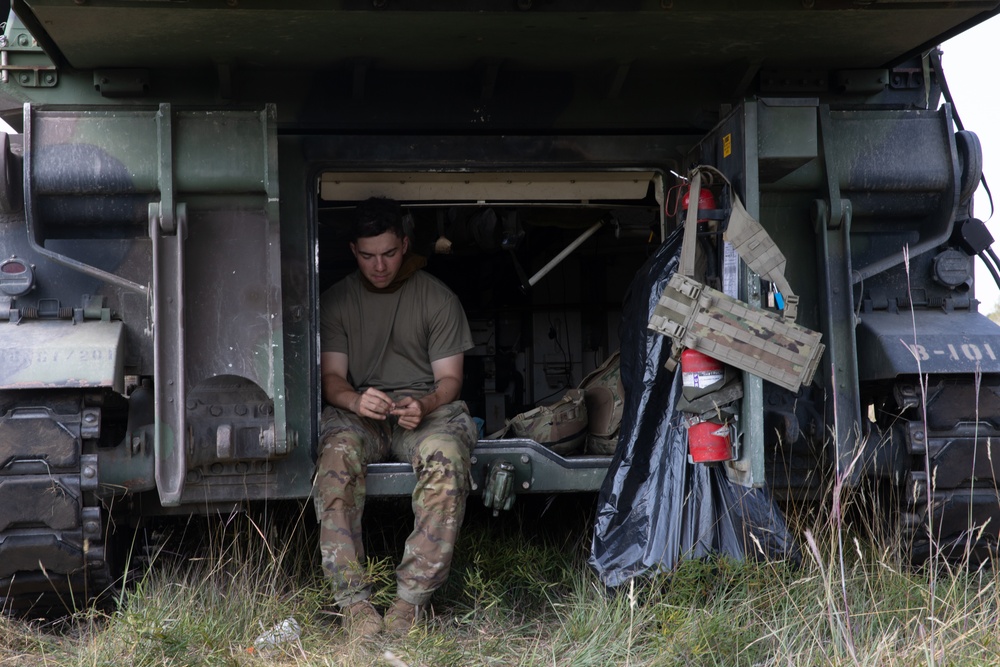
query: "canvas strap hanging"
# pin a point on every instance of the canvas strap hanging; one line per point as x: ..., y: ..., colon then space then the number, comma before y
x: 742, y: 335
x: 749, y: 239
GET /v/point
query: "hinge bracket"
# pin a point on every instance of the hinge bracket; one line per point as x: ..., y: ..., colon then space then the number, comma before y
x: 17, y: 39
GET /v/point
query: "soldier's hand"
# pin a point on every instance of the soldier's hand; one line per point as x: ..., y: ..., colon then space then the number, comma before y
x: 374, y: 404
x: 410, y: 412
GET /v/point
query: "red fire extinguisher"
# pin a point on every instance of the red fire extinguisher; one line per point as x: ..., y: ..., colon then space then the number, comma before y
x: 706, y: 201
x: 707, y: 441
x: 701, y: 372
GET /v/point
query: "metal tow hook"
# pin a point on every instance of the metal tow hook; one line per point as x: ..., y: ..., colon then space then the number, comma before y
x: 499, y: 492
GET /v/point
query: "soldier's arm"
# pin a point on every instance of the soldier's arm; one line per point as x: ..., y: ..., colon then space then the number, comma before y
x: 447, y: 388
x: 447, y: 382
x: 338, y: 392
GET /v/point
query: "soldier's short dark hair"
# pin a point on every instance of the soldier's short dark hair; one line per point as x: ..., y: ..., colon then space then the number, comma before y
x: 377, y: 215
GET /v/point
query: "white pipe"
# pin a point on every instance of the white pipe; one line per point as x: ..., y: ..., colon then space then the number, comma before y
x: 566, y: 251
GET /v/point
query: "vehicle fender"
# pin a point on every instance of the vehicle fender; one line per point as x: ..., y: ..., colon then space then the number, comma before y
x: 55, y: 354
x: 892, y: 344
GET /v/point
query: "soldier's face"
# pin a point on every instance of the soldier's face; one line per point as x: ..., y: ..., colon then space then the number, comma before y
x: 379, y: 257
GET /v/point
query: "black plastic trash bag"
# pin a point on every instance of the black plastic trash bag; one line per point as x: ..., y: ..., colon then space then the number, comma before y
x: 655, y: 508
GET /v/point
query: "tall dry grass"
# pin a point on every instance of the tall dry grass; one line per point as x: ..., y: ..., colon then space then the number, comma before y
x: 521, y: 594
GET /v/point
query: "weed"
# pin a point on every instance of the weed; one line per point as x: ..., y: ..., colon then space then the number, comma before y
x: 520, y: 597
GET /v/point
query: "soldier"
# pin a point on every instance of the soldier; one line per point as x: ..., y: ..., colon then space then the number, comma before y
x: 392, y: 349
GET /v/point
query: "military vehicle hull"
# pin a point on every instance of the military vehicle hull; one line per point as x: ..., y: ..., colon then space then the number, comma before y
x: 172, y: 214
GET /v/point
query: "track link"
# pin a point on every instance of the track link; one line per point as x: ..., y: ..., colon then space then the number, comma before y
x: 52, y: 546
x: 951, y: 502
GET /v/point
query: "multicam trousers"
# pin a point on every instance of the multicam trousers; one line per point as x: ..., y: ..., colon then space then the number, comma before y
x: 439, y: 452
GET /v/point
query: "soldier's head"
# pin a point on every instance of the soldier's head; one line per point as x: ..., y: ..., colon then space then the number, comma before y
x: 379, y: 241
x: 375, y: 216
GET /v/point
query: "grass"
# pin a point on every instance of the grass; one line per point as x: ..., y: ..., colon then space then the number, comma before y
x: 522, y: 594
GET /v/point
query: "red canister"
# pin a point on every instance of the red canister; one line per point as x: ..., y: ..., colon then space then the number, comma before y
x: 709, y: 442
x: 700, y: 371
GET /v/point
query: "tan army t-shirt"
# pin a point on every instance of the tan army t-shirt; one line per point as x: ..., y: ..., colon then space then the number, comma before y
x: 424, y: 322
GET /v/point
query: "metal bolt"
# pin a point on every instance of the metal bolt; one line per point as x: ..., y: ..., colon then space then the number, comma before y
x: 473, y: 460
x: 524, y: 458
x: 240, y: 409
x: 918, y: 435
x: 90, y: 418
x: 23, y: 78
x: 92, y: 527
x: 89, y: 471
x: 49, y: 78
x: 22, y: 40
x: 525, y: 485
x: 475, y: 487
x: 215, y: 410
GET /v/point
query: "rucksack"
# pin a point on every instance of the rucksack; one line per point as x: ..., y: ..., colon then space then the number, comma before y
x: 605, y: 399
x: 561, y: 426
x: 586, y: 418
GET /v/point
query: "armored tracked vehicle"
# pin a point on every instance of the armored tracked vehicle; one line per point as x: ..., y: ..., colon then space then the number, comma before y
x: 175, y: 196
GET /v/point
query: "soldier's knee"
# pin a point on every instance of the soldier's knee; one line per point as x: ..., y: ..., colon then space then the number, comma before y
x: 343, y: 445
x: 340, y: 466
x: 446, y: 461
x: 447, y: 451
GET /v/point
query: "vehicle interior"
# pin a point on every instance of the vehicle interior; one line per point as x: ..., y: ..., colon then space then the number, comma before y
x: 540, y: 261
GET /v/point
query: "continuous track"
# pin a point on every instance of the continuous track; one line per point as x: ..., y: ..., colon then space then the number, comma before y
x: 52, y: 532
x: 951, y: 502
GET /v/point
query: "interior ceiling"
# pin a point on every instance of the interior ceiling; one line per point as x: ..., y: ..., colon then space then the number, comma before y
x: 554, y: 35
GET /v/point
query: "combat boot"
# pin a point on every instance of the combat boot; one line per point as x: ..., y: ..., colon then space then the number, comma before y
x: 361, y: 620
x: 401, y: 616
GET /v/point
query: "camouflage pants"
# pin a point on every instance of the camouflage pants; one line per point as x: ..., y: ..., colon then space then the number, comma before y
x: 439, y: 452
